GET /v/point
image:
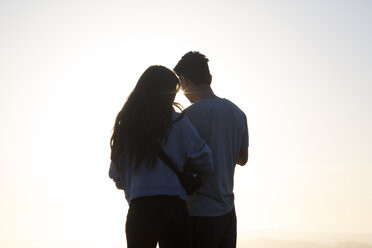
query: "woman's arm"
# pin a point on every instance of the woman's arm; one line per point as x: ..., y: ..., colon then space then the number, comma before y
x: 114, y: 175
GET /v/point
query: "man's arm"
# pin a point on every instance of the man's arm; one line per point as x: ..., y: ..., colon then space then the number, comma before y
x: 243, y: 156
x: 243, y: 153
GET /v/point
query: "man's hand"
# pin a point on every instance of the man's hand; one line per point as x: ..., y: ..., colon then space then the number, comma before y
x: 243, y: 156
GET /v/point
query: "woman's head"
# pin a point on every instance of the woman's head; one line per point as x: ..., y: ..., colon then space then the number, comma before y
x: 144, y: 120
x: 156, y: 87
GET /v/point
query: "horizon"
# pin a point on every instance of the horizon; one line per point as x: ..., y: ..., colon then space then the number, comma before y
x: 257, y: 239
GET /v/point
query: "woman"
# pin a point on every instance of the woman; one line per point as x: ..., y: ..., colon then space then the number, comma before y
x: 146, y: 124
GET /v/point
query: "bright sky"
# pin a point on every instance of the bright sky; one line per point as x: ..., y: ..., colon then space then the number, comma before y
x: 300, y: 70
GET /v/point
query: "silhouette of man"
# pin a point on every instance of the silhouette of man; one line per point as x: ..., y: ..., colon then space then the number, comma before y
x: 223, y: 126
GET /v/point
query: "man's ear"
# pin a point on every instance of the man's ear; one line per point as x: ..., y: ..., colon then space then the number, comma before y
x: 184, y: 82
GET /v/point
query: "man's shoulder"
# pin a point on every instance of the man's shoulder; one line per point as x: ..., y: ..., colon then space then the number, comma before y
x: 232, y: 105
x: 221, y: 104
x: 209, y: 102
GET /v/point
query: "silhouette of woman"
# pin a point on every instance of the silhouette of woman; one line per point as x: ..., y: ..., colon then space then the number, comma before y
x: 147, y: 123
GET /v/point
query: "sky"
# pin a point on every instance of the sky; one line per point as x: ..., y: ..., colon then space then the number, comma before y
x: 300, y: 70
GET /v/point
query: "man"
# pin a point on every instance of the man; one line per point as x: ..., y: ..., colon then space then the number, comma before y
x: 223, y: 126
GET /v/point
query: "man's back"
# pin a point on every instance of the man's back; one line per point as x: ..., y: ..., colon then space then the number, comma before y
x: 223, y: 126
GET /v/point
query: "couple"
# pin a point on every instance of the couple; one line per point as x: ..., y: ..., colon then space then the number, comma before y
x: 211, y: 134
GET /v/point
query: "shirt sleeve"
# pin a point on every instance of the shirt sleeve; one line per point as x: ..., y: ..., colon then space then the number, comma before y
x: 198, y: 154
x: 185, y: 145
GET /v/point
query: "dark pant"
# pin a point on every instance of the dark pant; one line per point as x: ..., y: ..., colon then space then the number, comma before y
x: 154, y: 219
x: 214, y: 232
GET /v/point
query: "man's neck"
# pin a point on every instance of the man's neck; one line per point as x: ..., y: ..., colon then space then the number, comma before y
x: 198, y: 94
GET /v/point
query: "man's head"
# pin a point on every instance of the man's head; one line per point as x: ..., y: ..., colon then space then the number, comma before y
x: 193, y: 67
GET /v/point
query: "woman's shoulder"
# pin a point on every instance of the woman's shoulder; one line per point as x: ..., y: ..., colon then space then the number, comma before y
x: 176, y: 115
x: 180, y: 119
x: 183, y: 131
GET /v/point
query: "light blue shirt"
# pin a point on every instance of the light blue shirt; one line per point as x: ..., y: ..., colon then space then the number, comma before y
x: 223, y: 126
x: 182, y: 144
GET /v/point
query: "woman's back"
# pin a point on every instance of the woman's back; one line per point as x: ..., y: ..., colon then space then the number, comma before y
x: 183, y: 143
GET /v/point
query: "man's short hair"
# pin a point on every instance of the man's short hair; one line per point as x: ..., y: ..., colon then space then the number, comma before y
x: 194, y: 67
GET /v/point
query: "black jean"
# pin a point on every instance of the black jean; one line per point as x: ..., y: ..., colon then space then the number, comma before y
x: 214, y: 232
x: 154, y: 219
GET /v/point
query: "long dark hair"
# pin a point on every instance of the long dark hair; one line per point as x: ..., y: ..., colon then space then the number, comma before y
x: 143, y: 122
